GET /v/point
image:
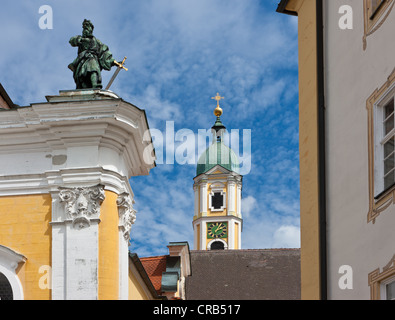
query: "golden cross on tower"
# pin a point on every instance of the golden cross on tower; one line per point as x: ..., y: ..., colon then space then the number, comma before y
x: 218, y: 98
x: 218, y: 110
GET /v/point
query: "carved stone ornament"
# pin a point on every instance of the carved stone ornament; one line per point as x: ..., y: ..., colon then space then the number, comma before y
x: 82, y: 204
x: 127, y: 215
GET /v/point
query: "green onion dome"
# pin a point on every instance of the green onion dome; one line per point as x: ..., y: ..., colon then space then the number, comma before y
x: 218, y: 153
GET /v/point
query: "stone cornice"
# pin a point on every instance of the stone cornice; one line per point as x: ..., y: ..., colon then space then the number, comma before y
x: 51, y: 128
x: 51, y: 181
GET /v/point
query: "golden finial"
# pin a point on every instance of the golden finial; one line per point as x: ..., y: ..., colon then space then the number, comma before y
x: 218, y: 110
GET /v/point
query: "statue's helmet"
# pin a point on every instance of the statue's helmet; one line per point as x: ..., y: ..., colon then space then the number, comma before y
x: 88, y: 24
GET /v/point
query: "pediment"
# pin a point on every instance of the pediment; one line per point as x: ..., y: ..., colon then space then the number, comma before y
x: 218, y: 170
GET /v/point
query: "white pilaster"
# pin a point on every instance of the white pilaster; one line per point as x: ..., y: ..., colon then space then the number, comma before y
x: 203, y: 198
x: 238, y: 212
x: 203, y: 232
x: 75, y: 219
x: 231, y: 197
x: 196, y: 207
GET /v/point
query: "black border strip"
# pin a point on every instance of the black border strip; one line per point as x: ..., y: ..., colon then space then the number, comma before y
x: 321, y: 151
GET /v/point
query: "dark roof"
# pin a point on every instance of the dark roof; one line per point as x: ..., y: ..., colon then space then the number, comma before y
x: 257, y: 274
x: 281, y: 8
x: 5, y: 100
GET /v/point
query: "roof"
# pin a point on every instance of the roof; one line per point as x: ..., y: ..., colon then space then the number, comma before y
x: 5, y: 100
x: 262, y: 274
x: 155, y: 266
x: 217, y: 154
x: 281, y: 8
x: 142, y: 271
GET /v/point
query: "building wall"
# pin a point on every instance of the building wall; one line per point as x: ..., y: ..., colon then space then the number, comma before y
x: 25, y: 228
x: 308, y: 147
x: 352, y: 74
x: 137, y: 288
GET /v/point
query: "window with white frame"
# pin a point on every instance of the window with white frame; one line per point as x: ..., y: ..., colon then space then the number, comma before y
x: 388, y: 144
x: 374, y: 6
x: 217, y: 200
x: 384, y: 145
x: 390, y: 291
x: 387, y: 289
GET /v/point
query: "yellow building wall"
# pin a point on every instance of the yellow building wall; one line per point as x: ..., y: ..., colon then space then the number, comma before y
x: 136, y: 291
x: 108, y: 273
x: 308, y: 147
x: 25, y: 228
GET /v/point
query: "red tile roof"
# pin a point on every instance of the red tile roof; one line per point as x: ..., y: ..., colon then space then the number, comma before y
x: 155, y: 266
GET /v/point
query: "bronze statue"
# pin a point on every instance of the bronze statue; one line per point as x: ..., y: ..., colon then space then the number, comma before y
x: 93, y: 56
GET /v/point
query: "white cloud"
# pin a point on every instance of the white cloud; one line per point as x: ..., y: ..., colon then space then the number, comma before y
x: 248, y: 204
x: 287, y: 236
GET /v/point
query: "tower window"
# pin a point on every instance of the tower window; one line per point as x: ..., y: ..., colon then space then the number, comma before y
x: 217, y: 201
x: 217, y: 245
x: 5, y: 288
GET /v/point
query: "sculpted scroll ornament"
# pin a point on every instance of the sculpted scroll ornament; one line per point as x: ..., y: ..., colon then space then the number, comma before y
x: 127, y: 215
x: 82, y: 204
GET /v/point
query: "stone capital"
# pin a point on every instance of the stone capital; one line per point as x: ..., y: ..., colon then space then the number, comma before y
x: 127, y: 215
x: 82, y: 204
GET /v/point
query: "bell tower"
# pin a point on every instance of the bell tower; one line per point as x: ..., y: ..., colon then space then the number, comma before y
x: 217, y: 221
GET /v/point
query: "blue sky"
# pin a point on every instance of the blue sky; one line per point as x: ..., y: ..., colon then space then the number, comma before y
x: 180, y: 54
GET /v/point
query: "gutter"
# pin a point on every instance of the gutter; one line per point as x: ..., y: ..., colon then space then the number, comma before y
x: 321, y: 151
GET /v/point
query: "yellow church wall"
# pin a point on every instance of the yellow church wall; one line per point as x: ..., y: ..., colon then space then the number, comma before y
x: 108, y: 273
x: 25, y: 228
x: 308, y: 147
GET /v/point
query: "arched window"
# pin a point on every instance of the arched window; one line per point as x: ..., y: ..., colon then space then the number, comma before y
x: 5, y: 288
x: 10, y: 285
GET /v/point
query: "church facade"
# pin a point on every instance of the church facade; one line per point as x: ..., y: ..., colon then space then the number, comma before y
x: 65, y: 199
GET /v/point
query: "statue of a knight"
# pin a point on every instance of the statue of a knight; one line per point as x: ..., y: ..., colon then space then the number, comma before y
x: 93, y: 56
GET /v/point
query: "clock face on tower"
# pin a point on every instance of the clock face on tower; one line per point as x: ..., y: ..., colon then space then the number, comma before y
x: 216, y: 230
